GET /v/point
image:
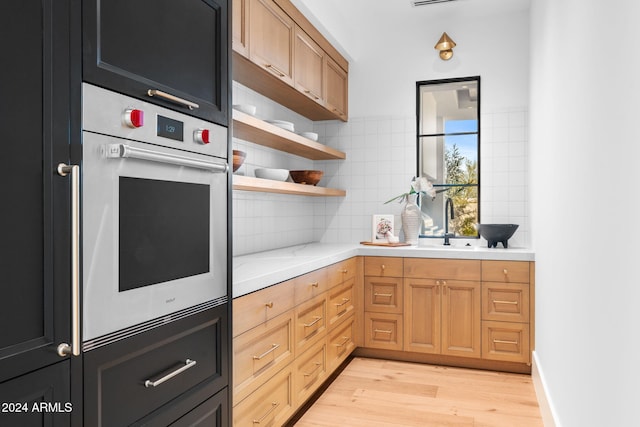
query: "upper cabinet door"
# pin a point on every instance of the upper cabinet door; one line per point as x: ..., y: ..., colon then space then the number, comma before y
x: 177, y: 47
x: 271, y: 39
x: 337, y: 89
x: 36, y: 132
x: 309, y: 66
x: 240, y: 33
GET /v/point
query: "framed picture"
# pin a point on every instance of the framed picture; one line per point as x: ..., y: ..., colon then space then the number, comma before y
x: 382, y: 224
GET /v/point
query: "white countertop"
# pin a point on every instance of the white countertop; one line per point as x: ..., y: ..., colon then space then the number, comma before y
x: 256, y: 271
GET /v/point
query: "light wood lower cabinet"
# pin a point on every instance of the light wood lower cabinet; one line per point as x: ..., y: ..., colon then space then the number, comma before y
x: 281, y: 362
x: 472, y: 309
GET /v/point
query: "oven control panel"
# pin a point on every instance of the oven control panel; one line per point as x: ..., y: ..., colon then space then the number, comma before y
x: 114, y: 114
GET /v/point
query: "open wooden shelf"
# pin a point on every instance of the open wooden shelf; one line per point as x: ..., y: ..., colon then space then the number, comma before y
x: 248, y: 183
x: 257, y: 131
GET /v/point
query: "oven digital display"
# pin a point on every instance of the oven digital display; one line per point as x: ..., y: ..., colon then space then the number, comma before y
x: 169, y: 128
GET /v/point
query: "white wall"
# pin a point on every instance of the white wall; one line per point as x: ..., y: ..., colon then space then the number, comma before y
x: 583, y: 152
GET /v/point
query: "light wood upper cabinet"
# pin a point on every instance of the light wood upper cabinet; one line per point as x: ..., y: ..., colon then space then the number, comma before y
x: 240, y: 27
x: 277, y: 52
x: 309, y: 67
x: 271, y: 35
x: 337, y: 90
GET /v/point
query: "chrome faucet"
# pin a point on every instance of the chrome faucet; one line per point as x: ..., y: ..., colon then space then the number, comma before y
x: 448, y: 203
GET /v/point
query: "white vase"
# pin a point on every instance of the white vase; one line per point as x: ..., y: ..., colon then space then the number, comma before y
x: 411, y: 216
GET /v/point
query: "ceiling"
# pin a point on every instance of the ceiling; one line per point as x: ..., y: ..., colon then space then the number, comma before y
x: 341, y: 29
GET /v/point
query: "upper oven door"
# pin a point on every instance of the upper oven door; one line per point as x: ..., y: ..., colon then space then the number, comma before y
x: 176, y: 48
x: 154, y: 232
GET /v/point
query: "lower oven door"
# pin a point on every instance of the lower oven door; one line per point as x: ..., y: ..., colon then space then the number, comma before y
x: 154, y: 235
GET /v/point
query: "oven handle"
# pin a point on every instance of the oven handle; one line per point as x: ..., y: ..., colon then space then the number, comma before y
x: 127, y: 151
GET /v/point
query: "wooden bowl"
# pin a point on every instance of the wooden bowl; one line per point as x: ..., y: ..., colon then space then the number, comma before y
x: 309, y: 177
x: 238, y: 159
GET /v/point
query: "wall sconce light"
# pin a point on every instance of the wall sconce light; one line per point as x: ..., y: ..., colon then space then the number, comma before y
x: 445, y: 45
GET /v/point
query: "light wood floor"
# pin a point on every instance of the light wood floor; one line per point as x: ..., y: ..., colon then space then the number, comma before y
x: 382, y: 393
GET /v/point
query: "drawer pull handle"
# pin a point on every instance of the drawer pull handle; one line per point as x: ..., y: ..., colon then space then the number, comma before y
x: 187, y: 364
x: 383, y: 266
x: 314, y: 284
x: 169, y: 97
x: 496, y: 301
x: 505, y: 271
x: 505, y: 342
x: 383, y: 295
x: 317, y: 319
x: 269, y: 304
x: 274, y: 70
x: 308, y: 374
x: 344, y: 341
x: 274, y: 405
x: 382, y: 331
x: 344, y: 301
x: 345, y: 271
x: 272, y: 349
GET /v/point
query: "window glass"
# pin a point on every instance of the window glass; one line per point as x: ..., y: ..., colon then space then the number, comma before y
x: 448, y: 144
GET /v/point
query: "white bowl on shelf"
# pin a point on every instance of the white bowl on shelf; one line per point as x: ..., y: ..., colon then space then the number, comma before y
x: 310, y: 135
x: 246, y: 108
x: 271, y: 173
x: 282, y: 124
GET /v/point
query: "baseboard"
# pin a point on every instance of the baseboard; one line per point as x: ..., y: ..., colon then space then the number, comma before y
x: 547, y: 411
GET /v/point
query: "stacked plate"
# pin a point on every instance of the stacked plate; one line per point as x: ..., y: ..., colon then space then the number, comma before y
x: 282, y: 124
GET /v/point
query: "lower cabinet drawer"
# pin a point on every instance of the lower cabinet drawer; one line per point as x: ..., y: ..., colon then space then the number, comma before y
x: 261, y: 352
x: 310, y: 371
x: 383, y: 294
x: 506, y: 302
x: 129, y: 379
x: 213, y: 412
x: 311, y: 322
x: 270, y: 405
x: 340, y: 343
x: 383, y: 330
x: 341, y: 302
x: 505, y: 341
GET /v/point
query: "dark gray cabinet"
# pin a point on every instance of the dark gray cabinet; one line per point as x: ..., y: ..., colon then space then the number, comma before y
x: 35, y: 123
x: 159, y: 377
x: 176, y: 47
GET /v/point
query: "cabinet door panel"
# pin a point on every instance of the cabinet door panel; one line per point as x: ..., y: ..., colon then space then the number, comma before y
x: 309, y: 67
x: 337, y: 90
x: 271, y: 39
x: 422, y: 315
x: 240, y: 34
x: 461, y: 318
x: 35, y: 117
x: 47, y: 386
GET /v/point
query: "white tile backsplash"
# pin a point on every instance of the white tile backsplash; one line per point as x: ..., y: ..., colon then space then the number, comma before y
x: 380, y: 163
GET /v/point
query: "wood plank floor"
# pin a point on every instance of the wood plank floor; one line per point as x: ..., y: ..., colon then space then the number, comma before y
x: 382, y: 393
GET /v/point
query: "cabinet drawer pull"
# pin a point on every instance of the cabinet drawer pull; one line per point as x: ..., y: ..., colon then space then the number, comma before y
x: 382, y: 331
x: 308, y: 374
x: 505, y: 271
x: 317, y: 319
x: 312, y: 95
x: 274, y: 70
x: 272, y: 349
x: 505, y: 342
x: 176, y: 100
x: 344, y: 341
x: 314, y: 284
x: 496, y: 301
x: 274, y: 405
x: 187, y: 364
x: 269, y: 304
x: 382, y: 295
x: 344, y: 301
x: 383, y: 266
x: 345, y: 271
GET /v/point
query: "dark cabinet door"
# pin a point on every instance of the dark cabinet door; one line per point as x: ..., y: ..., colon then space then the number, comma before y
x: 37, y: 399
x: 35, y: 136
x: 176, y: 47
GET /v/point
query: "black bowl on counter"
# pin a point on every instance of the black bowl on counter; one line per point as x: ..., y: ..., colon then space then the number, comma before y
x: 495, y: 233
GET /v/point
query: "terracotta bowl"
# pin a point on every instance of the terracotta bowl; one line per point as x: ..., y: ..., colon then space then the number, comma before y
x: 309, y: 177
x: 238, y: 159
